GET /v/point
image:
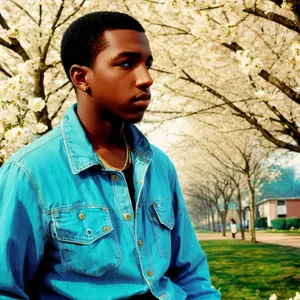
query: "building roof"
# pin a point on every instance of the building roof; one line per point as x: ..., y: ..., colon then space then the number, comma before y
x: 270, y: 199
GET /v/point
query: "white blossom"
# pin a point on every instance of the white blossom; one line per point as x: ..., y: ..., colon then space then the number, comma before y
x: 13, y: 32
x: 36, y: 104
x: 3, y: 153
x: 296, y: 50
x: 40, y: 128
x: 27, y: 67
x: 273, y: 297
x: 248, y: 64
x: 259, y: 93
x: 297, y: 297
x: 1, y: 128
x: 9, y: 115
x: 287, y: 4
x: 14, y: 133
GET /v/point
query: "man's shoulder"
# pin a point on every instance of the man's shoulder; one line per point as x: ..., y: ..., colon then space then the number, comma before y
x: 161, y: 157
x: 39, y: 148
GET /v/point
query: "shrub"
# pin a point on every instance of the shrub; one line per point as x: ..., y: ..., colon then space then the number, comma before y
x: 260, y: 223
x: 292, y: 222
x: 279, y: 223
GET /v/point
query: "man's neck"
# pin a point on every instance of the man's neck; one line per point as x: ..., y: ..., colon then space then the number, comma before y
x: 101, y: 133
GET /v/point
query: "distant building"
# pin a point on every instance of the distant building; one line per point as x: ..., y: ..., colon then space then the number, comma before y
x: 273, y: 208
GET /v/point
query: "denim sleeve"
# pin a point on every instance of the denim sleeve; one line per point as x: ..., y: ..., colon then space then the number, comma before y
x: 189, y: 267
x: 22, y: 232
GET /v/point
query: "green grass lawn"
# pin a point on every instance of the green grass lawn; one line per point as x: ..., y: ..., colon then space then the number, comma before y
x: 295, y: 232
x: 242, y: 270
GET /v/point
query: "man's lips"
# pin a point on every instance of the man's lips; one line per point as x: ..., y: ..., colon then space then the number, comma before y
x: 143, y: 96
x: 142, y: 100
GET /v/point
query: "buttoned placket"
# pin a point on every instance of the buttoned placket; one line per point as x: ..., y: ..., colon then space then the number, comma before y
x: 145, y: 261
x: 123, y: 199
x: 130, y: 217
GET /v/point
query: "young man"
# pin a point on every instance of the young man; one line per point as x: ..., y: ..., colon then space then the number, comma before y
x: 91, y: 210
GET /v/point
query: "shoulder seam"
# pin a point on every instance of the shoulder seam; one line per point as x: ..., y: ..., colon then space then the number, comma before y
x: 37, y: 147
x: 35, y: 188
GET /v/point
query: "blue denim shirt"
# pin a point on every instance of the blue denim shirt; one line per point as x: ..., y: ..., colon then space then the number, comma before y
x: 69, y: 231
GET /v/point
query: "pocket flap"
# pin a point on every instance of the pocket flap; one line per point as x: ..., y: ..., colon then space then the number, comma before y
x: 81, y: 224
x: 164, y: 212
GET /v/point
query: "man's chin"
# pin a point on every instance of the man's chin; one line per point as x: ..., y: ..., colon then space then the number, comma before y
x: 135, y: 119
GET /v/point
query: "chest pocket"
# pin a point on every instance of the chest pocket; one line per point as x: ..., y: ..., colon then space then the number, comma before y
x: 161, y: 215
x: 86, y: 239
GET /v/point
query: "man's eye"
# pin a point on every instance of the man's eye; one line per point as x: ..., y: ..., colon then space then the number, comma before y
x: 126, y: 64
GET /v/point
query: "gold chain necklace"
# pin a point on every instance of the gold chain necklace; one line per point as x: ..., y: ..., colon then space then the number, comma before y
x: 127, y: 159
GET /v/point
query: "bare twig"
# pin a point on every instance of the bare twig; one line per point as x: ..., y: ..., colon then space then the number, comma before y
x: 25, y: 11
x: 5, y: 72
x: 53, y: 28
x: 72, y: 14
x: 57, y: 89
x: 60, y: 105
x: 168, y: 26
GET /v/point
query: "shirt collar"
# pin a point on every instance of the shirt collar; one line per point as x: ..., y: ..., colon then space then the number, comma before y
x: 81, y: 154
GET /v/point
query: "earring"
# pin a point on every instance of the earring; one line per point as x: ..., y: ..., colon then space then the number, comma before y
x: 85, y: 88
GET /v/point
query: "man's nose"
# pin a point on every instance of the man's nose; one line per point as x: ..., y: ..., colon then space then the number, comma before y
x: 144, y: 78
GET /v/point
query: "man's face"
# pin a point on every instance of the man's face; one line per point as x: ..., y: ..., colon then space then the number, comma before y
x: 119, y: 79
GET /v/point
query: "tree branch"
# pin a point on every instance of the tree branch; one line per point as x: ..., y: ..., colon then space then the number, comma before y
x: 268, y: 77
x: 292, y: 126
x: 15, y: 45
x: 56, y: 90
x: 5, y: 72
x: 250, y: 119
x: 290, y: 24
x: 60, y: 105
x: 277, y: 2
x: 168, y: 26
x: 71, y: 15
x: 53, y: 28
x: 25, y: 11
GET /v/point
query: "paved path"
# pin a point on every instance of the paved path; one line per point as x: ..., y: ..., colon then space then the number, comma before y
x: 271, y: 238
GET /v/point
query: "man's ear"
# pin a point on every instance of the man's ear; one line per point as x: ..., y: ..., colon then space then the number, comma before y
x: 78, y: 76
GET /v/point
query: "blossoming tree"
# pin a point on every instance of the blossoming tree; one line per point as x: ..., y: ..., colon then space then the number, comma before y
x: 231, y: 64
x: 34, y: 91
x: 234, y: 58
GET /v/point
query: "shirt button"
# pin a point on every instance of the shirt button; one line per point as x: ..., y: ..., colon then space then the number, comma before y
x: 81, y: 216
x: 140, y: 181
x: 106, y: 228
x: 89, y: 232
x: 105, y: 208
x: 140, y: 242
x: 154, y: 204
x: 149, y: 273
x: 115, y: 177
x: 164, y: 296
x: 127, y: 217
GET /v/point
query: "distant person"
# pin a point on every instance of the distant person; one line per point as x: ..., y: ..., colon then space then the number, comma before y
x: 233, y: 228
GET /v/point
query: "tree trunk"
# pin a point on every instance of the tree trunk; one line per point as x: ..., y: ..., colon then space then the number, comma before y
x: 240, y: 213
x: 205, y: 223
x: 223, y: 218
x: 219, y: 223
x: 252, y: 209
x: 213, y: 220
x: 39, y: 91
x: 241, y: 223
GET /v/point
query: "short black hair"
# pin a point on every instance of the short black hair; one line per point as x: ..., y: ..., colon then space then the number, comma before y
x: 83, y: 40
